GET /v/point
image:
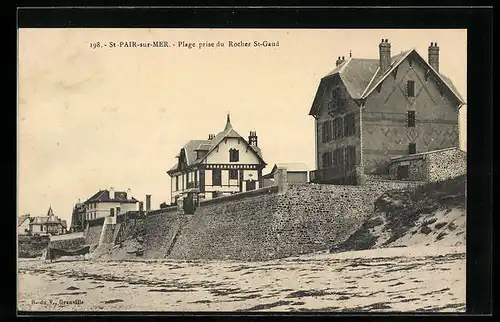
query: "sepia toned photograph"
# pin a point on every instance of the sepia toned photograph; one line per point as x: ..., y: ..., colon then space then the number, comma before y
x: 241, y: 170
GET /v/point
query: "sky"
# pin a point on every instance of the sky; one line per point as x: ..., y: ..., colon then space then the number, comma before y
x: 90, y: 119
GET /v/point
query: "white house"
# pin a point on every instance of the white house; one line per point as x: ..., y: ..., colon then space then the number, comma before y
x: 226, y: 163
x: 23, y: 224
x: 47, y: 225
x: 108, y: 203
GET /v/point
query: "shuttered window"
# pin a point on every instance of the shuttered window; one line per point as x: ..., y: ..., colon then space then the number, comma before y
x: 216, y: 177
x: 350, y: 157
x: 411, y: 118
x: 349, y: 124
x: 324, y: 132
x: 233, y: 174
x: 410, y: 88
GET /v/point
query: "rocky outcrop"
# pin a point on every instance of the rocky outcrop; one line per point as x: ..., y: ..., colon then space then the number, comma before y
x: 431, y: 214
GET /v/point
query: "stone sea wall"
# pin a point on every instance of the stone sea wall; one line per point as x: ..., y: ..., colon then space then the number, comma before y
x: 303, y: 218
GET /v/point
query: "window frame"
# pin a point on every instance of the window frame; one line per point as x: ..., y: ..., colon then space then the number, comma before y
x: 412, y: 148
x: 235, y: 174
x: 234, y: 155
x: 410, y: 118
x: 216, y: 174
x: 412, y: 87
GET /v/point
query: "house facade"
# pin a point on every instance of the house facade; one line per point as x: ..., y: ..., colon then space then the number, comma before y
x: 368, y: 111
x: 109, y: 202
x: 223, y: 164
x: 23, y: 224
x: 78, y: 217
x: 47, y: 225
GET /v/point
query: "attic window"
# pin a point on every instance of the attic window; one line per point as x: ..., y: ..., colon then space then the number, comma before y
x: 234, y: 155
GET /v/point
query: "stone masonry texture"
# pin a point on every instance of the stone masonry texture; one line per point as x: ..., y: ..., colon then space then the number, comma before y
x: 304, y: 219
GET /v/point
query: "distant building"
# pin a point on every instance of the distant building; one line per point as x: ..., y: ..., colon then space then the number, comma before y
x: 223, y: 164
x: 23, y: 224
x: 367, y: 111
x: 296, y: 173
x: 109, y: 203
x: 48, y: 225
x: 78, y: 217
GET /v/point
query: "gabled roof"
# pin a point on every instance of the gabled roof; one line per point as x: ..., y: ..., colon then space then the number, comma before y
x: 362, y: 76
x: 39, y: 220
x: 103, y: 196
x: 192, y: 146
x: 22, y: 219
x: 291, y: 166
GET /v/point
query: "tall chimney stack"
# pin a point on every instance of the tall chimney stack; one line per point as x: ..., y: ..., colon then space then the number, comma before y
x: 252, y: 138
x: 111, y: 193
x: 384, y: 55
x: 148, y: 202
x: 433, y: 57
x: 339, y: 61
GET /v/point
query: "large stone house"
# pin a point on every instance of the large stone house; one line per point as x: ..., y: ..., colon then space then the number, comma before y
x: 109, y: 202
x: 368, y: 111
x: 223, y: 164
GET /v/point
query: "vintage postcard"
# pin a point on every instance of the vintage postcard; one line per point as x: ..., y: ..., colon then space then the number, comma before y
x: 242, y: 170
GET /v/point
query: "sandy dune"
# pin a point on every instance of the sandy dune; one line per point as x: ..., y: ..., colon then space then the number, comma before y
x: 380, y: 280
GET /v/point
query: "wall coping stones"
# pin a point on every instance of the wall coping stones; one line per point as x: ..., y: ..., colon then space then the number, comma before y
x: 239, y: 196
x: 421, y: 154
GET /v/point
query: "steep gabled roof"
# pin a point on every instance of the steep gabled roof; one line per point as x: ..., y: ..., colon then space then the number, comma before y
x: 38, y: 220
x: 291, y: 167
x: 362, y: 76
x: 22, y: 219
x: 192, y: 146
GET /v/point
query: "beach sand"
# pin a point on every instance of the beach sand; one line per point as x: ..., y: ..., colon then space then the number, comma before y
x: 399, y: 279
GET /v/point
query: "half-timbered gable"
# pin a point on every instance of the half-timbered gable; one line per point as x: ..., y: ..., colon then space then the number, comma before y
x: 223, y: 164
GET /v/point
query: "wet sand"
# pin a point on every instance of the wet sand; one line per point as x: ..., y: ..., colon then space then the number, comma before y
x: 423, y: 279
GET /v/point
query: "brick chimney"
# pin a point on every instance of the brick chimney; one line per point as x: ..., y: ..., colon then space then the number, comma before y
x: 340, y: 60
x: 111, y: 193
x: 384, y: 55
x: 252, y: 138
x: 211, y: 136
x: 433, y: 57
x: 148, y: 202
